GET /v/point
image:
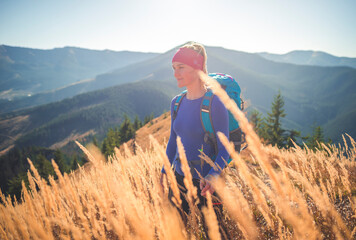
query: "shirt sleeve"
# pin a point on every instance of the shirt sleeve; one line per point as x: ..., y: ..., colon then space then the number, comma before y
x: 172, y: 142
x: 220, y: 118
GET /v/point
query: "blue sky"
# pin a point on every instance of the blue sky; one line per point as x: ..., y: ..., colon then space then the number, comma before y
x: 276, y: 26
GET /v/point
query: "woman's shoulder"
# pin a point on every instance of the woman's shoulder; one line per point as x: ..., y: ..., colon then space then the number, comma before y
x: 219, y: 113
x: 217, y: 103
x: 174, y: 99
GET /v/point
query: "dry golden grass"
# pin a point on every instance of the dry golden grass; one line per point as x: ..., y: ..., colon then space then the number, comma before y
x: 267, y: 194
x: 159, y: 128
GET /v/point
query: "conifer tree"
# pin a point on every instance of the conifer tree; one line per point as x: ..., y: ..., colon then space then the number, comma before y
x: 148, y: 119
x: 59, y: 159
x: 104, y: 146
x: 314, y: 140
x: 137, y: 123
x: 15, y: 185
x: 112, y: 140
x: 257, y: 121
x: 292, y: 137
x: 95, y: 141
x: 83, y: 160
x: 44, y: 166
x: 274, y: 131
x: 74, y: 164
x: 127, y: 130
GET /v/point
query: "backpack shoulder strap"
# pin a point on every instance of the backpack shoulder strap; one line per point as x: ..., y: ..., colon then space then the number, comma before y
x: 207, y: 121
x: 177, y: 103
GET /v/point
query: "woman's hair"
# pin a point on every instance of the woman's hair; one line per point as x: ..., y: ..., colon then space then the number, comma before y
x: 199, y: 48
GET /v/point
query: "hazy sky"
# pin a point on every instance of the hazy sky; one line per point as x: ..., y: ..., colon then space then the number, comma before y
x: 276, y: 26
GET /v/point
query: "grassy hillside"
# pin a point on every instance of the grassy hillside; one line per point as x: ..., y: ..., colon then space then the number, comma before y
x: 267, y: 194
x: 159, y: 128
x: 56, y: 124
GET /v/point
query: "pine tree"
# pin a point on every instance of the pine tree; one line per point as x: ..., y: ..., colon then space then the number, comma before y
x: 137, y: 123
x: 74, y: 164
x: 112, y: 140
x: 274, y: 131
x: 257, y: 121
x: 59, y: 159
x: 292, y: 137
x: 44, y: 166
x: 83, y: 160
x: 104, y: 146
x: 151, y: 118
x: 95, y: 141
x: 148, y: 119
x: 15, y: 185
x: 126, y: 130
x: 318, y: 137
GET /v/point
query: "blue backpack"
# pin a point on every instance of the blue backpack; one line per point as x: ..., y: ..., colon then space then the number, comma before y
x: 233, y: 89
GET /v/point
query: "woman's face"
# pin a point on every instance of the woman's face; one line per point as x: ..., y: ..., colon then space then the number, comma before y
x: 185, y: 74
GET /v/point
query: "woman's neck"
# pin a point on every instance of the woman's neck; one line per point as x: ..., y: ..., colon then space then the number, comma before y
x: 195, y: 91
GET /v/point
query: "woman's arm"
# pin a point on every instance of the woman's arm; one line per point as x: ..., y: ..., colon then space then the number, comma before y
x: 220, y: 120
x: 172, y: 142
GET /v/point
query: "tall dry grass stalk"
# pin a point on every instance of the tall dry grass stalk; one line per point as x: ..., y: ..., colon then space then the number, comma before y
x: 272, y: 193
x: 169, y: 171
x: 191, y: 195
x: 293, y: 204
x: 122, y: 199
x: 211, y: 219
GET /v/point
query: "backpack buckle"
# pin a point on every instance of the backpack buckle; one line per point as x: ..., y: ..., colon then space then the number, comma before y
x: 174, y: 115
x: 206, y: 137
x: 209, y: 139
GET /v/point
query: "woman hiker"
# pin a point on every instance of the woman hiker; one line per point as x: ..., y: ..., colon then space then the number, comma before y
x: 188, y: 61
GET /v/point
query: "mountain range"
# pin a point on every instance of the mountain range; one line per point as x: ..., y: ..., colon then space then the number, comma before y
x: 25, y: 71
x: 314, y: 58
x: 318, y: 95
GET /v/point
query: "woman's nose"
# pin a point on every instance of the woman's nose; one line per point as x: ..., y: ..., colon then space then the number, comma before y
x: 176, y: 73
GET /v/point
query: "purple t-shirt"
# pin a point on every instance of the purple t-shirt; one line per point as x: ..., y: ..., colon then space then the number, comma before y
x: 188, y: 127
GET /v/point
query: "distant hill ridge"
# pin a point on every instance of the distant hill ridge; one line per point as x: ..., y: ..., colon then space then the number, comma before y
x: 313, y: 94
x: 27, y: 71
x: 56, y: 124
x: 315, y: 58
